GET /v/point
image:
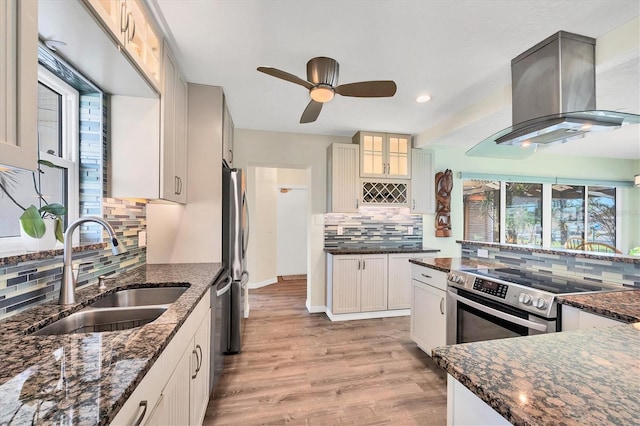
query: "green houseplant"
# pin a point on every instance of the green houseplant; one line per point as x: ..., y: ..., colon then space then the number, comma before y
x: 33, y: 218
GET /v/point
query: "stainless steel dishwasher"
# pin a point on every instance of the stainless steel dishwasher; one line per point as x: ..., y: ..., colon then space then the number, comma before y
x: 220, y: 303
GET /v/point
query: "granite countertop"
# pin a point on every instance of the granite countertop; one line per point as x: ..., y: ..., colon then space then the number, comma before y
x: 447, y: 264
x: 570, y: 378
x: 86, y: 378
x: 617, y: 305
x: 379, y: 250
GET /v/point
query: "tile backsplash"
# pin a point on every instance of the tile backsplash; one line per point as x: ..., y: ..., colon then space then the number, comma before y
x: 373, y: 227
x: 25, y: 284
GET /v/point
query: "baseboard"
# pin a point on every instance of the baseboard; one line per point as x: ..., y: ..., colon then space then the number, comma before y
x: 253, y: 286
x: 315, y: 309
x: 368, y: 315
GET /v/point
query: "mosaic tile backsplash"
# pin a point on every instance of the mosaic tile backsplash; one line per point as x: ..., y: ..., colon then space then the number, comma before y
x: 25, y: 284
x: 623, y: 273
x: 373, y: 227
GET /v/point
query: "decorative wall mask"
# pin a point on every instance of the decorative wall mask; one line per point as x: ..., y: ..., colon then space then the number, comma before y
x: 444, y: 185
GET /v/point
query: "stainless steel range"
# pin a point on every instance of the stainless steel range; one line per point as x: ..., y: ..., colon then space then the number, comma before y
x: 494, y: 303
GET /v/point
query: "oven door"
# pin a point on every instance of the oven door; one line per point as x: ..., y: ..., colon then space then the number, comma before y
x: 473, y: 318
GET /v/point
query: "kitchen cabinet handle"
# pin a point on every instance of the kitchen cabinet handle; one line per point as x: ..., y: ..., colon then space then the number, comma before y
x: 358, y: 265
x: 364, y: 264
x: 133, y: 31
x: 442, y: 306
x: 198, y: 347
x: 197, y: 362
x: 144, y: 405
x: 414, y: 204
x: 231, y: 156
x: 124, y: 23
x: 357, y: 203
x: 179, y: 185
x: 426, y: 276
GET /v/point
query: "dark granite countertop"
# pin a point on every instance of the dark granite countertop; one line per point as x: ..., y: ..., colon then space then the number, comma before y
x: 617, y: 305
x: 446, y: 264
x: 87, y: 378
x: 583, y: 377
x: 25, y: 256
x: 380, y: 250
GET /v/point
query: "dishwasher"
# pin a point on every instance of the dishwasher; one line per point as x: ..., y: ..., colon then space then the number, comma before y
x: 220, y: 304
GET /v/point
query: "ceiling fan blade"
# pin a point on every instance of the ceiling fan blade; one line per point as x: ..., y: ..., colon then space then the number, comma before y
x: 274, y: 72
x: 368, y: 89
x: 311, y: 112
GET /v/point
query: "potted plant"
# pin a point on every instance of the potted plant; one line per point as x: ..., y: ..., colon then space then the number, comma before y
x: 40, y: 227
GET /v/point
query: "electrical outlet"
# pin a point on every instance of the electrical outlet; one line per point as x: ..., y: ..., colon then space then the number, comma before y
x: 409, y: 230
x: 339, y: 230
x: 142, y: 238
x: 483, y: 253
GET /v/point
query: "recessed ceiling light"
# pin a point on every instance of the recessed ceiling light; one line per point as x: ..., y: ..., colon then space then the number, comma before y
x: 423, y: 98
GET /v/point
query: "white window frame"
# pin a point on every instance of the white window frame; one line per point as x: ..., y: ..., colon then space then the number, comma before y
x: 70, y: 152
x: 546, y: 210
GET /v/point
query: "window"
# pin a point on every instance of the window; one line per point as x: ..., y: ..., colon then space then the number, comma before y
x: 58, y: 110
x: 518, y: 208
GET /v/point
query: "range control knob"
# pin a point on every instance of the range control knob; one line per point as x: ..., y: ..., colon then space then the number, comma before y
x: 540, y: 303
x: 524, y: 298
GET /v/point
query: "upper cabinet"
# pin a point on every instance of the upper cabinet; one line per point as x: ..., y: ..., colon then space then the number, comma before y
x: 18, y: 88
x: 384, y: 155
x: 227, y: 134
x: 422, y: 182
x: 129, y: 24
x: 173, y: 160
x: 342, y: 178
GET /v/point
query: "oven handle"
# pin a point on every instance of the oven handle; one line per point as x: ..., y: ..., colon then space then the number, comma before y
x: 499, y: 314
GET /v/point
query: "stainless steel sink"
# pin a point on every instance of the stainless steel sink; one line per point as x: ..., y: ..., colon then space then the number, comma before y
x: 92, y: 320
x: 140, y: 297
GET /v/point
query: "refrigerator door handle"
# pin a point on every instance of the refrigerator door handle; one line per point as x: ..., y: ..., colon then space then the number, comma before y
x: 246, y: 231
x: 244, y: 279
x: 226, y: 288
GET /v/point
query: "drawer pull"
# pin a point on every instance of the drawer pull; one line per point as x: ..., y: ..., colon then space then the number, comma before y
x: 138, y: 421
x: 426, y: 276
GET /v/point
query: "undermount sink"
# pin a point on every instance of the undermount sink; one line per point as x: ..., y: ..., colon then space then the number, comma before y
x: 92, y: 320
x: 140, y: 297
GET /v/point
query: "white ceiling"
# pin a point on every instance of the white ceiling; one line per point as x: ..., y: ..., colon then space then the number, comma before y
x: 458, y: 51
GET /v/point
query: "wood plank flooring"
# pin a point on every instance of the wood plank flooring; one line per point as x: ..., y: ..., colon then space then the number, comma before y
x: 302, y: 369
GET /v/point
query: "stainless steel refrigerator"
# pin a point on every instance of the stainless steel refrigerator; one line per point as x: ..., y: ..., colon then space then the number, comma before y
x: 235, y: 238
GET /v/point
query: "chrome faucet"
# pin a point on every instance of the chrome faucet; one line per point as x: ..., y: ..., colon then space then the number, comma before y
x: 68, y: 285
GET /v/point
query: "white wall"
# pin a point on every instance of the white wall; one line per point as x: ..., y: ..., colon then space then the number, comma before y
x: 192, y: 233
x: 302, y: 151
x: 262, y: 200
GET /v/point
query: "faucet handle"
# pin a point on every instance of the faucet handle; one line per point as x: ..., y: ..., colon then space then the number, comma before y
x: 101, y: 282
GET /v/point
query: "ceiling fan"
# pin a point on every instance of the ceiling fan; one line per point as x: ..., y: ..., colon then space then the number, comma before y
x: 322, y: 80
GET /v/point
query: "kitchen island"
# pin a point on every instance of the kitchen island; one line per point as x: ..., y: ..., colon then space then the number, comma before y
x: 574, y: 377
x: 87, y: 378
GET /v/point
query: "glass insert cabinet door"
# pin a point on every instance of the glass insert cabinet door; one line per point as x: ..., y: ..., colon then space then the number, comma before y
x: 384, y: 155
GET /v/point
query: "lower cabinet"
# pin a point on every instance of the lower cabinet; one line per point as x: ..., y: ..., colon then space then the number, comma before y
x: 370, y: 282
x: 428, y: 326
x: 175, y: 391
x: 576, y: 319
x: 359, y: 283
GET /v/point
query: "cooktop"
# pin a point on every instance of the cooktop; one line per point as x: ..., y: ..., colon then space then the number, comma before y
x: 543, y: 281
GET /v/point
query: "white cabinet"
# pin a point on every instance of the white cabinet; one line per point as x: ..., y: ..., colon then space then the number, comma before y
x: 173, y: 185
x: 358, y: 283
x: 342, y: 178
x: 466, y: 408
x: 422, y: 182
x: 576, y: 319
x: 399, y: 281
x: 129, y: 24
x: 384, y: 155
x: 151, y: 135
x: 428, y: 326
x: 18, y: 83
x: 227, y: 134
x: 175, y: 391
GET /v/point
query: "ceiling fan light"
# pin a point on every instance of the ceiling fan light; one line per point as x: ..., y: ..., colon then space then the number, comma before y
x: 322, y: 93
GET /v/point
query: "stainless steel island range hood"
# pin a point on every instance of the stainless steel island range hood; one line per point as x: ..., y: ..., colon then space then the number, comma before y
x: 553, y: 99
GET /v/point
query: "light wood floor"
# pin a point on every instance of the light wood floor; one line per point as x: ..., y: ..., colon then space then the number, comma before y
x: 300, y: 368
